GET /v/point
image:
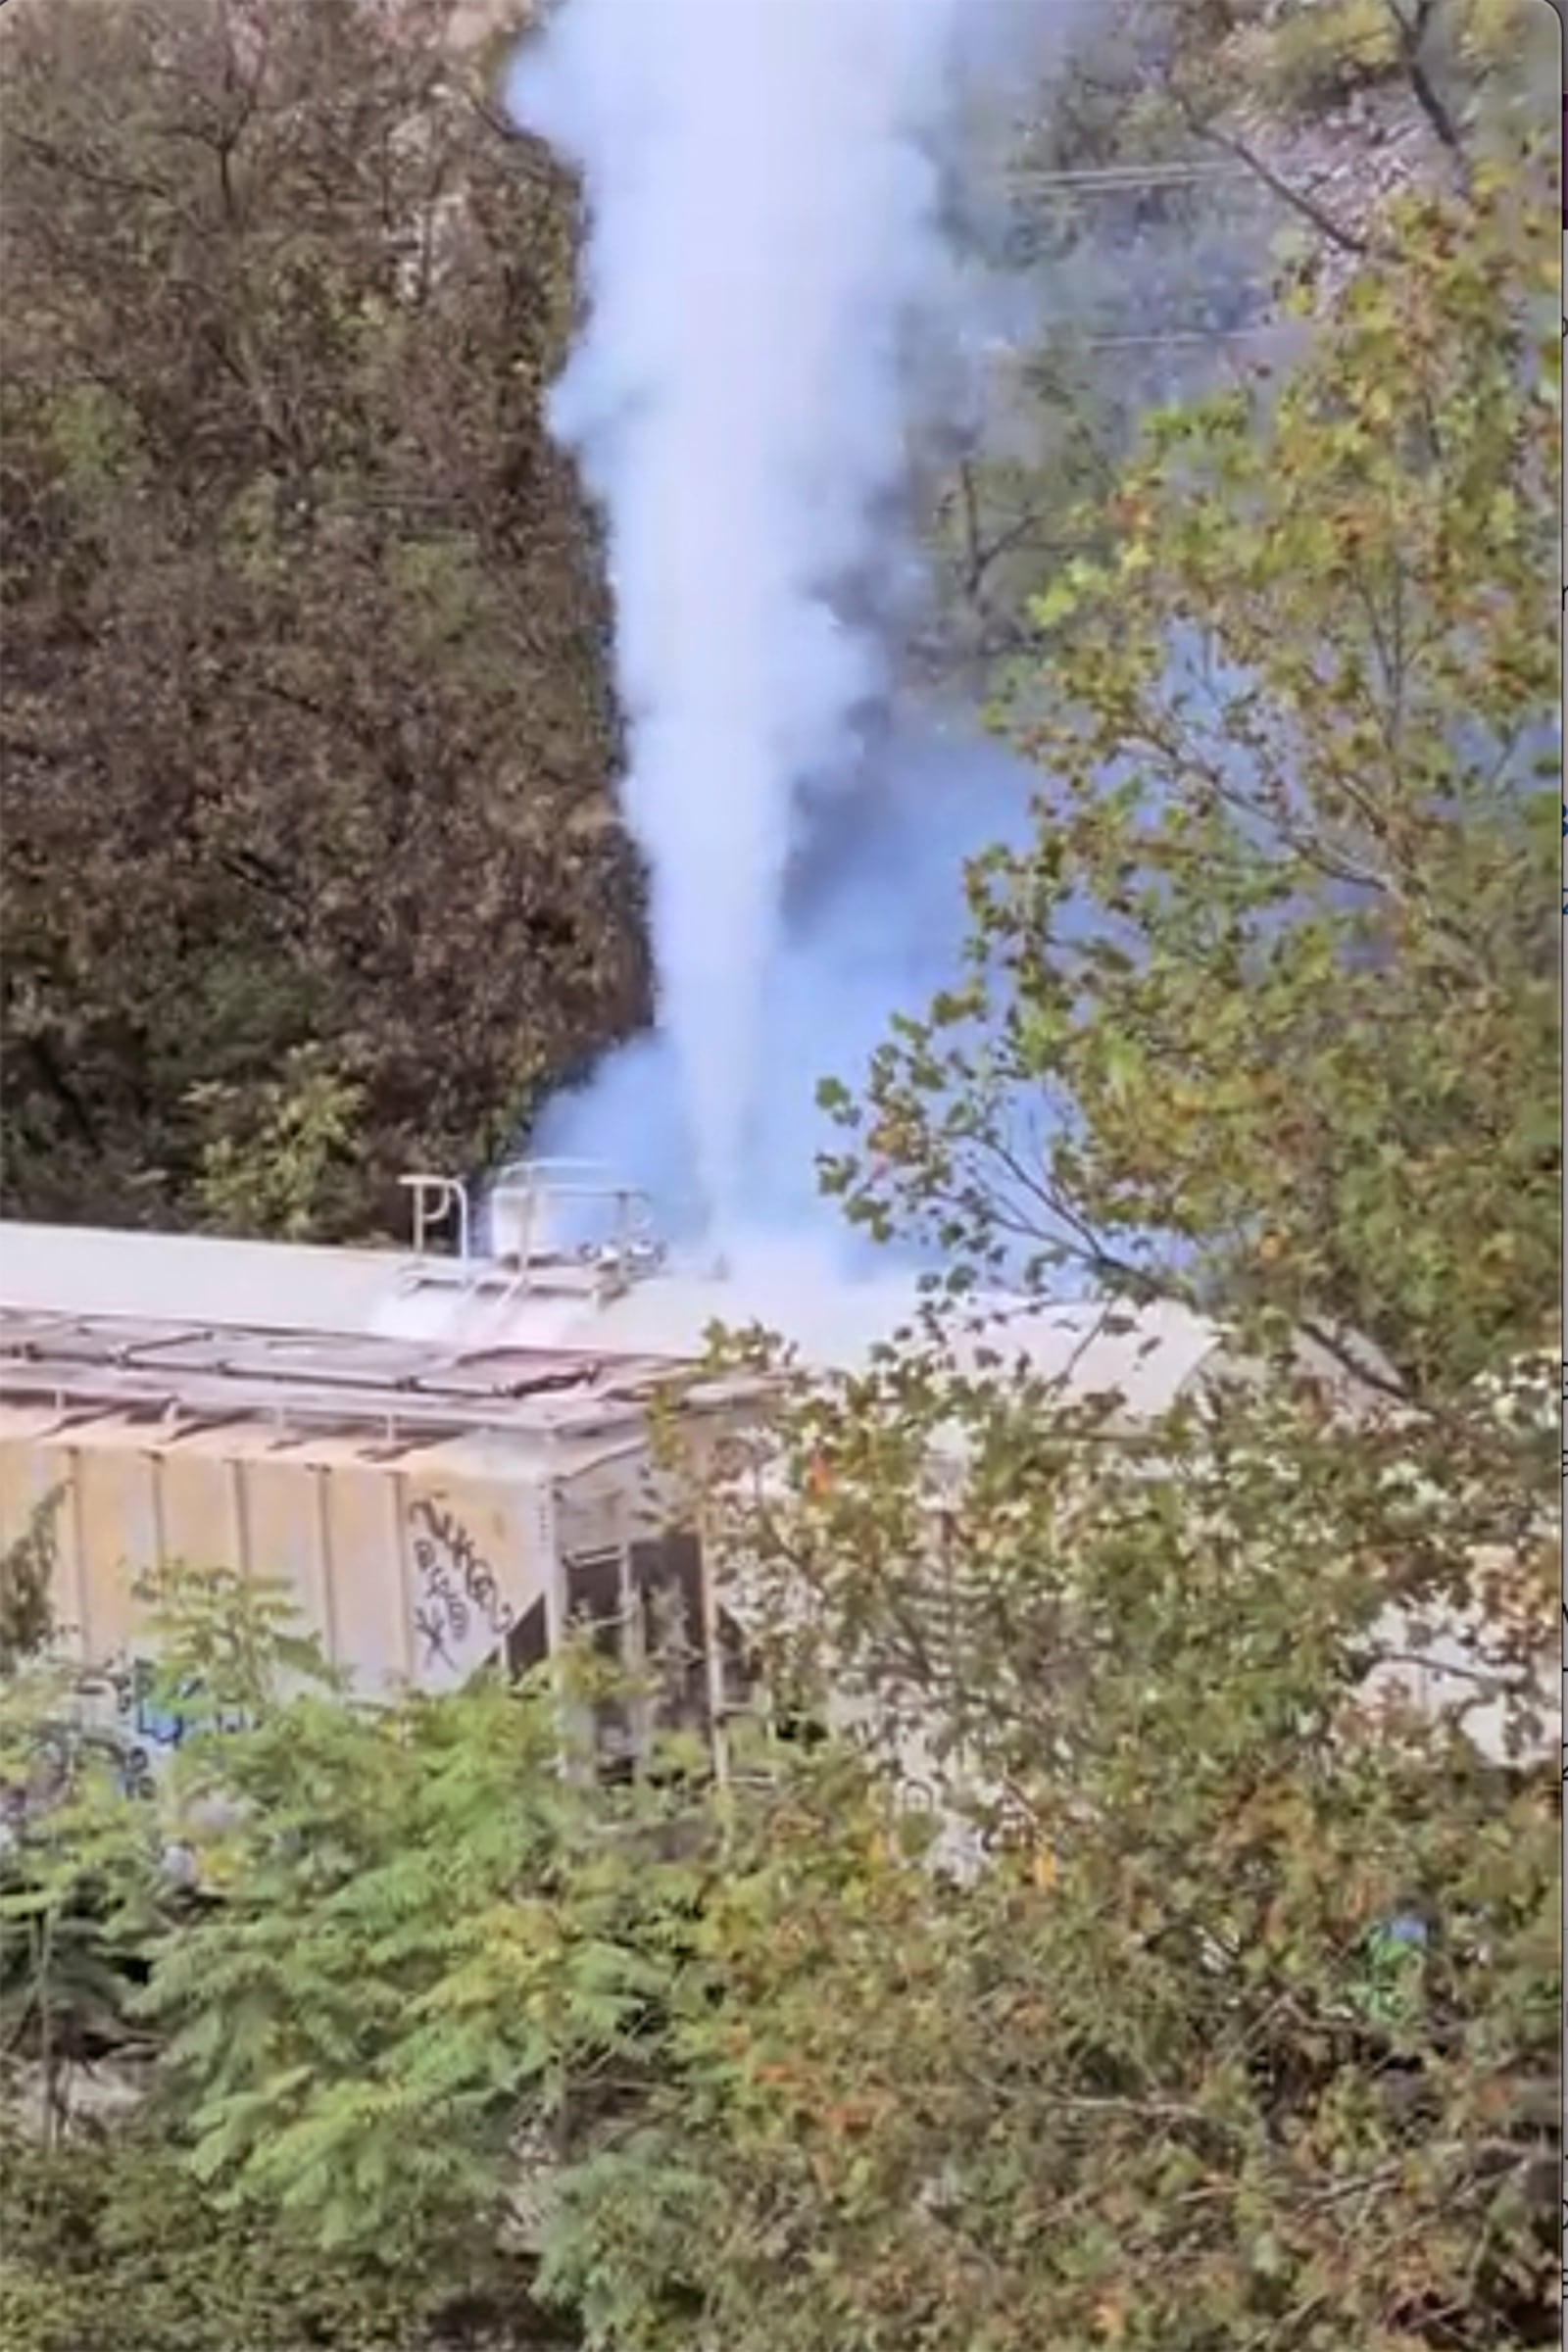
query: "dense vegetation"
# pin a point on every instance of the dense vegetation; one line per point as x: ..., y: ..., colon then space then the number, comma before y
x: 1245, y: 2034
x: 311, y: 866
x: 311, y: 869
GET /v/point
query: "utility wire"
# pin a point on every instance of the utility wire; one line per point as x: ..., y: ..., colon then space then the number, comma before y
x: 1130, y: 176
x: 1202, y: 334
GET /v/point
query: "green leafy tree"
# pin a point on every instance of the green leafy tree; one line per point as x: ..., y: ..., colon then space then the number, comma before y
x: 1275, y: 981
x: 1245, y: 2025
x: 108, y: 2229
x: 1246, y: 2034
x: 288, y: 1171
x: 438, y: 1965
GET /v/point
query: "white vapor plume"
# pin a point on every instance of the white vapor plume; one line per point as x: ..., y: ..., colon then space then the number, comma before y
x: 763, y: 181
x: 875, y: 924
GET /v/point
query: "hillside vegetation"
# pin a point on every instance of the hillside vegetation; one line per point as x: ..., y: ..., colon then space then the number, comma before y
x: 312, y: 869
x: 309, y: 861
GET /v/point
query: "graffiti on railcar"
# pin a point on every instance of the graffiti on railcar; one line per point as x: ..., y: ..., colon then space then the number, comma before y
x: 457, y: 1586
x: 134, y: 1715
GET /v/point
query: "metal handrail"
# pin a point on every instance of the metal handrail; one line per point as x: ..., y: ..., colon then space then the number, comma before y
x: 434, y: 1200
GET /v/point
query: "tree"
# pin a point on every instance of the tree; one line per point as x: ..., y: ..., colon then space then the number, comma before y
x: 307, y: 717
x: 1247, y: 2033
x: 1158, y: 2088
x: 115, y: 2225
x: 1267, y: 1009
x: 1183, y: 161
x: 109, y: 2243
x: 424, y: 1957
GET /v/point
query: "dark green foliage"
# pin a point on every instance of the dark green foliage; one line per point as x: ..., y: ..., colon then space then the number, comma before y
x: 27, y: 1571
x: 310, y: 864
x: 108, y: 2245
x: 133, y: 2005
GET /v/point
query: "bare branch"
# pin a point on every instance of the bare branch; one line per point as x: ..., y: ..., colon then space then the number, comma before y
x: 1411, y: 30
x: 1348, y: 241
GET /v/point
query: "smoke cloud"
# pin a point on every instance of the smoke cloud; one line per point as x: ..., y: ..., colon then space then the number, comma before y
x: 765, y: 258
x: 873, y: 924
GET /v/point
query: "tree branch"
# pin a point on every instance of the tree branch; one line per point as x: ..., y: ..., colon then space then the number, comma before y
x: 1411, y: 31
x: 1348, y: 241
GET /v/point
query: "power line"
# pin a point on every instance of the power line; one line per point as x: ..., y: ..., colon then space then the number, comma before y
x: 1111, y: 176
x: 1214, y: 334
x: 1004, y: 350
